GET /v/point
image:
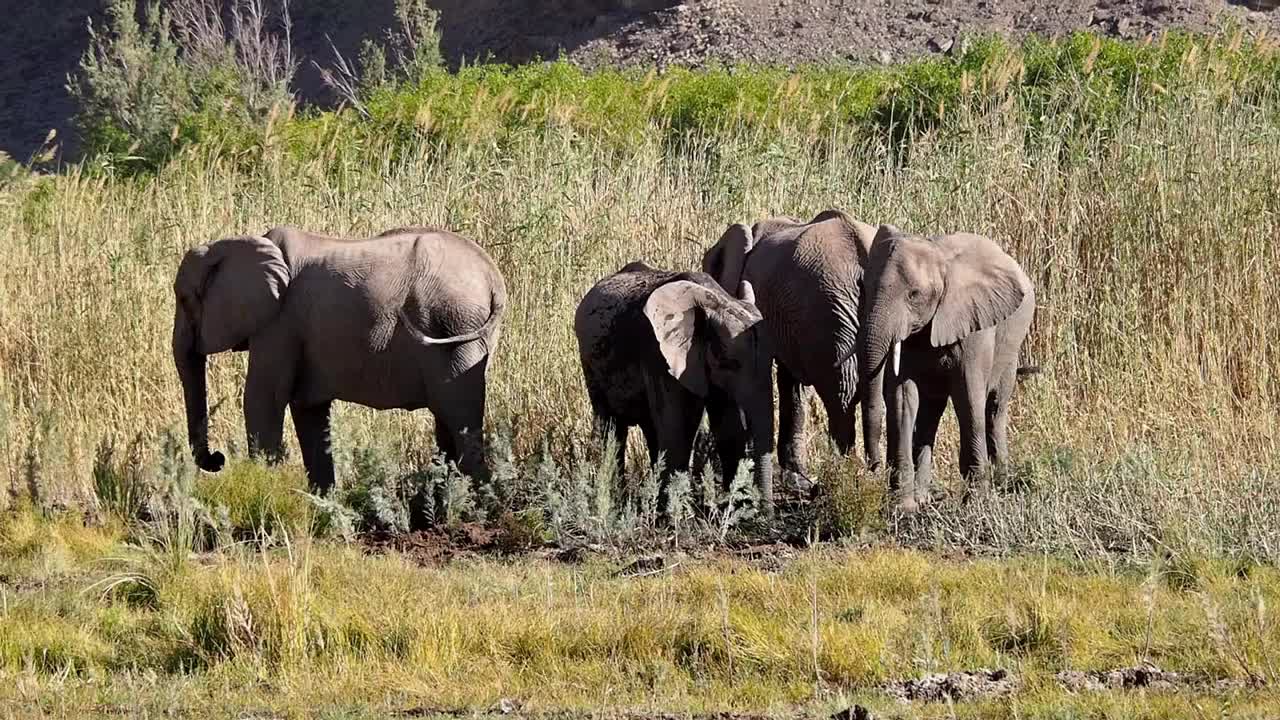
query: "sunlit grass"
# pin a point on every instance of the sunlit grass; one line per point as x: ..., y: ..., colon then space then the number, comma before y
x: 1140, y: 524
x: 331, y: 625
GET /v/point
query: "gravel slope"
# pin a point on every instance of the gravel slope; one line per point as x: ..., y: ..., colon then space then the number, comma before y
x: 41, y: 42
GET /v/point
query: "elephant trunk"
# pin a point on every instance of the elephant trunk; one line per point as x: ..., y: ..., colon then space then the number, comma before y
x: 762, y: 434
x: 190, y: 363
x: 880, y: 338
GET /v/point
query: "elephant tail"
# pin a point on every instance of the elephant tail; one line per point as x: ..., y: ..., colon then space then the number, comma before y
x: 1028, y: 370
x: 496, y: 305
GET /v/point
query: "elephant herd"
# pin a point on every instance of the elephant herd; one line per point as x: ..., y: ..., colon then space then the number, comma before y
x: 876, y: 320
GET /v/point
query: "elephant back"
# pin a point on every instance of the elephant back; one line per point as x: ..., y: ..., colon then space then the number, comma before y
x: 807, y: 284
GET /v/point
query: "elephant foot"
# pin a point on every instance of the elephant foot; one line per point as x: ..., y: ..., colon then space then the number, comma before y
x: 211, y: 462
x: 929, y: 493
x: 798, y: 483
x: 793, y: 465
x: 976, y: 489
x: 907, y: 506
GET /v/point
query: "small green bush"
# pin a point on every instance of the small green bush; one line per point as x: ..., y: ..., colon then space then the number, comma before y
x: 144, y: 89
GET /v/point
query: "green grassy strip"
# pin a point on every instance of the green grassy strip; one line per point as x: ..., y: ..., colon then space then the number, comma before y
x: 1093, y: 81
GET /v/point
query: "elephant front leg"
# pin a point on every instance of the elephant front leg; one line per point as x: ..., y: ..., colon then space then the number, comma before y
x: 730, y: 434
x: 970, y: 394
x: 791, y: 421
x: 902, y: 399
x: 312, y: 426
x: 266, y: 395
x: 677, y: 427
x: 928, y: 416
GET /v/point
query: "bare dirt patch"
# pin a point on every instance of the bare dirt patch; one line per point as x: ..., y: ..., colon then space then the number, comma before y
x: 955, y: 686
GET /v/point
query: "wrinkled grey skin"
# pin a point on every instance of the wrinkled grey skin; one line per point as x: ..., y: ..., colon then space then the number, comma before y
x: 657, y: 347
x: 407, y: 319
x: 961, y: 308
x: 807, y: 279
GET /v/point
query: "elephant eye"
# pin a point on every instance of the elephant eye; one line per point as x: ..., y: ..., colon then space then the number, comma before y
x: 914, y: 295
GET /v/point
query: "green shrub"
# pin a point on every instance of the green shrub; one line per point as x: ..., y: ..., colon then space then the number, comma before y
x: 145, y: 89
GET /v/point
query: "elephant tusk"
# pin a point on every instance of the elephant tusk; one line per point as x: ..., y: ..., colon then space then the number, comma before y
x: 897, y: 357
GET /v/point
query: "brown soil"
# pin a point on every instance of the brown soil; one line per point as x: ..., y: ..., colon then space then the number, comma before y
x: 40, y: 43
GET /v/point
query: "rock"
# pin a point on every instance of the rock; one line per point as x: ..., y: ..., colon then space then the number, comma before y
x: 956, y: 686
x: 940, y: 45
x: 506, y: 706
x: 857, y: 712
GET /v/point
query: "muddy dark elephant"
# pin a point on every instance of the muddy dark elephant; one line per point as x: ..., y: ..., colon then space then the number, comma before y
x: 407, y: 319
x: 807, y: 279
x: 657, y: 347
x: 948, y: 316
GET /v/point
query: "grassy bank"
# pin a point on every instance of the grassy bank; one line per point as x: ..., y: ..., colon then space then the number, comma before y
x: 1137, y: 185
x: 92, y: 625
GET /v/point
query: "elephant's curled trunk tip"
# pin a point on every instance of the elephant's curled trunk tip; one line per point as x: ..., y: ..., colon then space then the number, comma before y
x: 191, y: 371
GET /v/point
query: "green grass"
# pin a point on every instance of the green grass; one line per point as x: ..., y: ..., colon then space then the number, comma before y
x: 325, y: 625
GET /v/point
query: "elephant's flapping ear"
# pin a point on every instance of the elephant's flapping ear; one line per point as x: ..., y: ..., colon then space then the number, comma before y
x: 675, y: 312
x: 984, y: 285
x: 229, y: 289
x: 727, y: 258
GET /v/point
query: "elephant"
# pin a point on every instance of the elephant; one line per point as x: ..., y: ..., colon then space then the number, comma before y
x: 658, y: 347
x: 406, y: 319
x: 807, y: 278
x: 948, y: 316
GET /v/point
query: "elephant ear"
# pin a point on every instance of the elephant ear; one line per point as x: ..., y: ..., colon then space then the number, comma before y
x: 727, y: 258
x: 984, y: 285
x: 230, y: 289
x: 675, y: 311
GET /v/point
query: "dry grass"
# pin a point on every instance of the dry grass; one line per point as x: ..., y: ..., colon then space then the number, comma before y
x: 317, y: 625
x: 1151, y: 241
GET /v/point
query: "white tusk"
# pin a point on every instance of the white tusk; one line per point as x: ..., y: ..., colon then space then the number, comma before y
x: 897, y: 358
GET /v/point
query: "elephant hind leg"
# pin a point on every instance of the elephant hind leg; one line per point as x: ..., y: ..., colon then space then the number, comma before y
x: 458, y: 406
x: 842, y: 418
x: 651, y: 443
x: 312, y: 426
x: 445, y: 444
x: 970, y: 395
x: 608, y: 427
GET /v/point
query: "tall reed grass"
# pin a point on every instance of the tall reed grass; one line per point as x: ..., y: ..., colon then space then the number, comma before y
x: 1144, y: 206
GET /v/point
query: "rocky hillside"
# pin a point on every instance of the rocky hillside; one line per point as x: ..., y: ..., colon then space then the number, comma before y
x: 40, y: 43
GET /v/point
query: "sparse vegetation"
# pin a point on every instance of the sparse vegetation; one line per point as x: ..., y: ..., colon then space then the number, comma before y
x: 1137, y: 184
x: 188, y: 69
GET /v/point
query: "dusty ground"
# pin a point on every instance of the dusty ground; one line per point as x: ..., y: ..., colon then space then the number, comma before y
x: 40, y: 43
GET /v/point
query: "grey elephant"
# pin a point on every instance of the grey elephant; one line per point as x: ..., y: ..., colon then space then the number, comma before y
x: 407, y: 319
x: 947, y: 315
x: 807, y: 279
x: 659, y: 347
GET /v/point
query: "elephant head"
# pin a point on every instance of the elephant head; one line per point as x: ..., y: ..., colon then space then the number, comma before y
x: 225, y: 292
x: 714, y: 343
x: 951, y: 286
